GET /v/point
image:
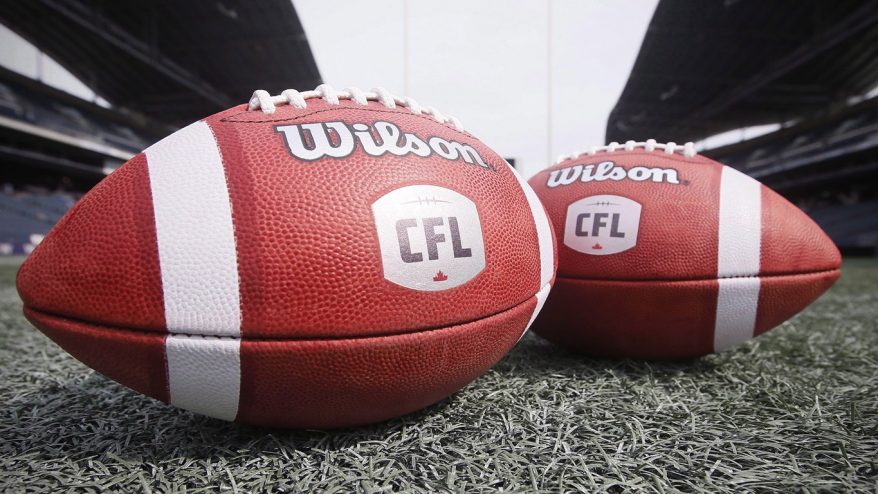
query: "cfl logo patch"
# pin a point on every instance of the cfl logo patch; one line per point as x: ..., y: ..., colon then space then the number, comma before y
x: 430, y: 237
x: 602, y: 225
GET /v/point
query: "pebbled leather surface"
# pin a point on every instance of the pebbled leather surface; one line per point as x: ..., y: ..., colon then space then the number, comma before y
x: 679, y: 224
x: 100, y: 262
x: 660, y: 319
x: 791, y: 241
x: 325, y: 339
x: 133, y: 358
x: 306, y: 240
x: 312, y: 383
x: 659, y: 299
x: 308, y: 256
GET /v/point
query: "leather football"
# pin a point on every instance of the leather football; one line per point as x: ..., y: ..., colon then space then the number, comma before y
x: 317, y: 259
x: 666, y: 254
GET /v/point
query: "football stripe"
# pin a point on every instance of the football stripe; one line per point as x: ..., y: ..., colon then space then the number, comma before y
x: 736, y: 307
x: 541, y: 297
x: 740, y: 224
x: 196, y: 239
x: 199, y: 271
x: 204, y: 374
x: 546, y: 240
x: 544, y: 231
x: 738, y: 253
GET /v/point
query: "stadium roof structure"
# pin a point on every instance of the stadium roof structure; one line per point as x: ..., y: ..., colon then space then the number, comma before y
x: 842, y: 145
x: 49, y: 129
x: 709, y: 67
x: 170, y: 60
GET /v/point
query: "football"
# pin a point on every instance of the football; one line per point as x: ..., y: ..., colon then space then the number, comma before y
x: 666, y: 254
x: 314, y: 259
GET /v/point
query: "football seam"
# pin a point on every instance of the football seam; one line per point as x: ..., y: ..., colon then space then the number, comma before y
x: 713, y: 278
x: 93, y: 325
x: 232, y: 119
x: 590, y: 159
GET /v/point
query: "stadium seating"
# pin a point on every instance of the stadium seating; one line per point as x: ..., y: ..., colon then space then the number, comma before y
x: 27, y: 215
x: 854, y: 228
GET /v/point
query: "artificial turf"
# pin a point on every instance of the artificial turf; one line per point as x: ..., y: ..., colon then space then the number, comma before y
x: 795, y: 410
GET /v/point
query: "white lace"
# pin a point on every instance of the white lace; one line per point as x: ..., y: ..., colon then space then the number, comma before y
x: 261, y: 100
x: 687, y: 150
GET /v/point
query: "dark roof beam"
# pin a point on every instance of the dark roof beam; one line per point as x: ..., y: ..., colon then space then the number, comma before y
x: 869, y: 68
x: 850, y: 26
x: 99, y: 25
x: 12, y: 154
x: 724, y: 32
x: 697, y: 79
x: 245, y: 42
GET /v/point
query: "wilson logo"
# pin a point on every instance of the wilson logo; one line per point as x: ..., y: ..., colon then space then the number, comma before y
x: 608, y: 170
x: 314, y: 141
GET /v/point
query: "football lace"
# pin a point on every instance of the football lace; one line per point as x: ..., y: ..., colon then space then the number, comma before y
x: 262, y: 100
x: 687, y: 150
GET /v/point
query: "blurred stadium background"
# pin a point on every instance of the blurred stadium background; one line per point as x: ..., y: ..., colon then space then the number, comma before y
x: 785, y: 91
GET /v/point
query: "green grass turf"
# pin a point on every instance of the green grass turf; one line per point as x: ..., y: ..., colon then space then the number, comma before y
x: 795, y: 410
